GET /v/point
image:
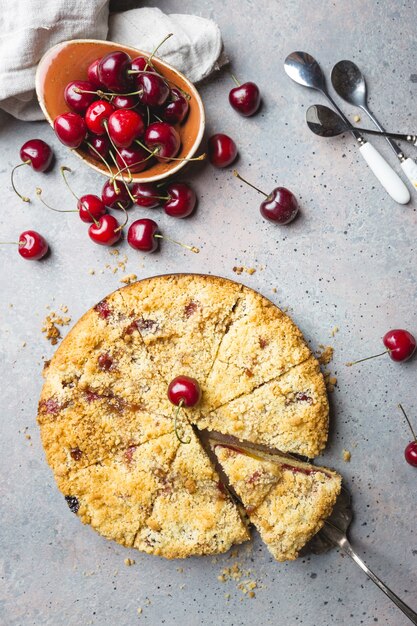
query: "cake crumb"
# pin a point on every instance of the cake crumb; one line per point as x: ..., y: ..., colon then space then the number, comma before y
x: 334, y: 330
x: 114, y: 252
x: 50, y: 326
x: 129, y: 562
x: 274, y: 290
x: 347, y: 456
x: 356, y: 118
x: 239, y: 269
x: 330, y: 381
x: 139, y: 610
x: 129, y: 278
x: 325, y: 354
x: 64, y: 308
x: 23, y: 344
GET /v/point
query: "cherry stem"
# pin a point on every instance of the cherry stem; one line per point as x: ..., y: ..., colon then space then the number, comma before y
x: 121, y: 227
x: 400, y: 406
x: 199, y: 158
x: 236, y: 173
x: 24, y: 198
x: 367, y: 358
x: 149, y: 61
x: 235, y: 79
x: 115, y: 187
x: 11, y: 243
x: 183, y: 245
x: 134, y: 164
x: 108, y: 95
x: 179, y: 407
x: 48, y: 206
x: 117, y: 151
x: 64, y: 169
x: 99, y: 156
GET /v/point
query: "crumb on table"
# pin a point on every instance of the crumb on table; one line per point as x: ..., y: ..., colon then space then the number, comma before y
x: 346, y: 456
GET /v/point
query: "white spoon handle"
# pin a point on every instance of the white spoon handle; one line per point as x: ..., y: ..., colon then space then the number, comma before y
x: 389, y: 179
x: 410, y: 170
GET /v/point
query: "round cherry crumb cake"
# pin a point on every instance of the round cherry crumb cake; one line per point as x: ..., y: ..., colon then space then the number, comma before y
x: 133, y: 467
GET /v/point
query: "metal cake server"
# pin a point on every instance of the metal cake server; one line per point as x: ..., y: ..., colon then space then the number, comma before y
x: 349, y: 83
x: 304, y: 70
x: 334, y: 532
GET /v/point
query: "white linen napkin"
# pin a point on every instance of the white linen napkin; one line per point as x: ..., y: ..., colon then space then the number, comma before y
x: 30, y: 28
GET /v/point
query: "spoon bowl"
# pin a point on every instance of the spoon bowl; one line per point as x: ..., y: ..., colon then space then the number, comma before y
x: 324, y: 122
x: 349, y: 83
x: 69, y: 61
x: 304, y: 70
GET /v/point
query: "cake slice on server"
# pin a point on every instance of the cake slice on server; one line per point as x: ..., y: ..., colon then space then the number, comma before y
x: 193, y: 514
x: 287, y: 501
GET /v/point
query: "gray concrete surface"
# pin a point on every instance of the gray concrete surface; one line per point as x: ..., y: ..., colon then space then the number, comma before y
x: 348, y: 261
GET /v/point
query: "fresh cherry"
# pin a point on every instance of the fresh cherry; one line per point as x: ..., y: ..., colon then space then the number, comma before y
x: 100, y: 144
x: 71, y: 129
x: 140, y: 64
x: 106, y: 231
x: 134, y: 158
x: 31, y: 245
x: 400, y: 346
x: 97, y: 116
x: 144, y: 234
x: 163, y: 139
x: 175, y: 111
x: 184, y: 391
x: 115, y: 195
x: 112, y: 71
x: 35, y: 153
x: 124, y: 102
x: 90, y: 208
x: 245, y: 98
x: 181, y: 200
x: 410, y: 452
x: 147, y: 195
x: 153, y: 90
x: 280, y: 205
x: 124, y: 126
x: 76, y: 96
x: 92, y: 74
x: 222, y: 150
x: 141, y: 235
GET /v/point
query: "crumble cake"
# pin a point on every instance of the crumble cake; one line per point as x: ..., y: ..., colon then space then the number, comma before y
x: 109, y: 431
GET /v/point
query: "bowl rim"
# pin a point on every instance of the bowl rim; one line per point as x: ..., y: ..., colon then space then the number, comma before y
x: 138, y: 177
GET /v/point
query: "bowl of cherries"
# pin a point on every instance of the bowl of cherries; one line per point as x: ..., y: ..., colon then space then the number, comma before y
x: 125, y: 113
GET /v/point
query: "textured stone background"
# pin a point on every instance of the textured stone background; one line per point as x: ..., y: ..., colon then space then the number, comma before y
x: 349, y: 260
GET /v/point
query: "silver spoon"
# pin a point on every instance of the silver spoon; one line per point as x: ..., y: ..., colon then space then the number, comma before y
x: 325, y: 122
x: 349, y: 83
x: 305, y: 70
x: 334, y: 533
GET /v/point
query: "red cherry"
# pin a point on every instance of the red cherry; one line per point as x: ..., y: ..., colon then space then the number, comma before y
x: 125, y: 126
x: 410, y: 453
x: 280, y: 206
x: 36, y: 153
x: 139, y: 64
x: 245, y: 98
x: 100, y: 144
x: 134, y: 158
x: 141, y: 235
x: 90, y: 208
x: 32, y: 246
x: 153, y: 90
x: 147, y: 195
x: 163, y: 138
x: 106, y: 231
x: 400, y: 344
x: 92, y: 73
x: 70, y: 129
x: 124, y: 102
x: 97, y: 116
x: 111, y: 198
x: 176, y: 110
x: 181, y: 202
x: 112, y: 71
x: 184, y: 390
x: 75, y: 96
x: 222, y: 150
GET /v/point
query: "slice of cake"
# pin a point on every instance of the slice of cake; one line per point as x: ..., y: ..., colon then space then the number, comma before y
x: 289, y: 413
x: 193, y: 514
x: 287, y: 501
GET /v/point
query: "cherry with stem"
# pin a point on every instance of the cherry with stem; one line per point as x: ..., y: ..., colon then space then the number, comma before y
x: 36, y: 153
x: 183, y: 391
x: 144, y: 234
x: 410, y: 452
x: 31, y: 245
x: 400, y: 346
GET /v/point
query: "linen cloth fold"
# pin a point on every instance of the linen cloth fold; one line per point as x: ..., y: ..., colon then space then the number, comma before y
x: 31, y: 27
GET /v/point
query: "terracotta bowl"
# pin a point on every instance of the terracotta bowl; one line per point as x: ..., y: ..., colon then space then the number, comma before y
x: 69, y: 61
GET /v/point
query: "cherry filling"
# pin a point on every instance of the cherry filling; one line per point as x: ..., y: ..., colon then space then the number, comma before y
x: 76, y: 454
x: 129, y: 452
x: 105, y: 362
x: 50, y: 406
x: 190, y: 309
x: 103, y: 309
